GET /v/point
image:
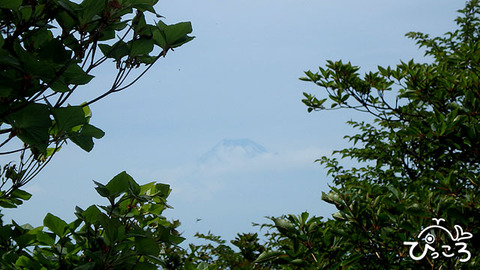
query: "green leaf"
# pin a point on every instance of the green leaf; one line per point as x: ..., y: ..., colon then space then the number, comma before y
x: 163, y: 189
x: 102, y: 190
x: 332, y: 198
x: 86, y: 143
x: 24, y: 262
x: 171, y: 36
x: 304, y: 217
x: 75, y: 75
x: 55, y: 224
x: 60, y: 86
x: 84, y: 138
x: 10, y: 4
x: 4, y: 203
x: 114, y: 231
x: 141, y: 47
x: 284, y: 226
x: 20, y: 194
x: 90, y: 8
x: 176, y: 240
x: 159, y: 38
x: 120, y: 184
x: 416, y: 209
x: 91, y: 215
x: 92, y: 131
x: 269, y: 256
x: 68, y: 117
x: 105, y: 49
x: 117, y: 51
x: 176, y: 32
x: 339, y: 216
x: 53, y: 51
x: 143, y: 5
x: 87, y: 266
x: 46, y: 238
x: 352, y: 259
x: 145, y: 266
x: 66, y: 20
x: 147, y: 246
x: 33, y: 123
x: 32, y: 115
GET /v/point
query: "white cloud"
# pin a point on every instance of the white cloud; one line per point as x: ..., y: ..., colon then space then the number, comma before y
x: 35, y: 189
x: 202, y: 180
x: 239, y: 190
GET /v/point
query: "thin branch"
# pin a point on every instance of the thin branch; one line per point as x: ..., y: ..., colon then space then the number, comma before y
x: 3, y: 131
x: 30, y: 146
x: 163, y: 53
x: 6, y: 141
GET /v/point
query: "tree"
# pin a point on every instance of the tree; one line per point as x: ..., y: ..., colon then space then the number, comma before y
x: 127, y: 233
x: 48, y: 51
x: 418, y: 160
x: 216, y: 254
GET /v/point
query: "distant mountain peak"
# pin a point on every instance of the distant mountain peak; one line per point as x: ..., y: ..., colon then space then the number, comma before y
x: 233, y: 149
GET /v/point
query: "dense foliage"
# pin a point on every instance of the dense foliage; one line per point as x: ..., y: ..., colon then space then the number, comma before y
x: 127, y: 233
x: 48, y: 52
x: 418, y: 160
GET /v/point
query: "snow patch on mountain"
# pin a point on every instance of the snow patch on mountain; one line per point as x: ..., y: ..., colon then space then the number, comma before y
x: 236, y: 150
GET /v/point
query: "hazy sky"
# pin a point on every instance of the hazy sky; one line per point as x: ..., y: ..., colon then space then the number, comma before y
x: 237, y: 79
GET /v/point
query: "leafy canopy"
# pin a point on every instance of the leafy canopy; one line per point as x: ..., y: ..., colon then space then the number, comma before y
x: 419, y: 159
x: 127, y: 233
x: 48, y: 52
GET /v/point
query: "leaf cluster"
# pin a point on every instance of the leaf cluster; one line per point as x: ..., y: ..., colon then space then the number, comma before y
x: 127, y: 233
x: 419, y: 159
x: 49, y: 50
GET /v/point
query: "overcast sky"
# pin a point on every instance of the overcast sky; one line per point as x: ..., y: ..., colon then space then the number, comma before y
x: 238, y: 79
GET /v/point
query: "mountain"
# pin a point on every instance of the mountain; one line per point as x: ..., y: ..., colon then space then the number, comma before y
x: 233, y: 150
